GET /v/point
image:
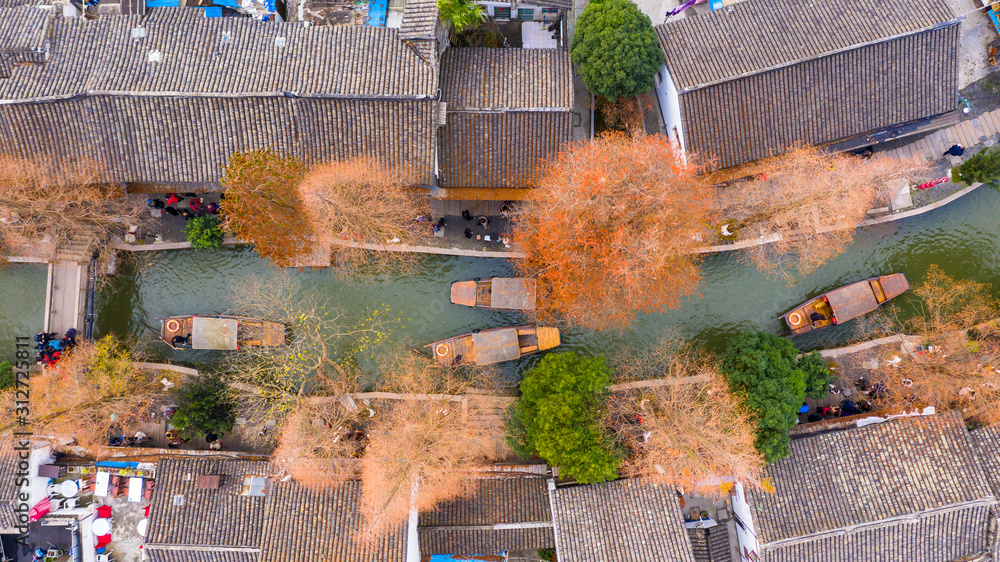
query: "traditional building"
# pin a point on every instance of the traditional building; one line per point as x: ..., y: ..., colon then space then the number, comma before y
x: 910, y: 489
x: 508, y: 111
x: 750, y: 80
x: 620, y: 521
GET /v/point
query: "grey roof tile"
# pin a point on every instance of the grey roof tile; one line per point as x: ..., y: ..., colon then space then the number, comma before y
x: 160, y: 555
x: 839, y: 96
x: 754, y: 36
x: 987, y: 440
x: 8, y: 487
x: 206, y: 517
x: 420, y: 20
x: 501, y: 150
x: 621, y: 521
x: 711, y: 545
x: 907, y: 489
x: 322, y: 526
x: 474, y: 79
x: 466, y: 525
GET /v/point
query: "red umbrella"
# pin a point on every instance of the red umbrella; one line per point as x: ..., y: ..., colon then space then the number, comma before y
x: 41, y: 508
x: 103, y: 540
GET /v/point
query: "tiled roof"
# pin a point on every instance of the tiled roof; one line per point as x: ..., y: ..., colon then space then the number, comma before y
x: 468, y: 525
x: 482, y: 79
x: 839, y: 96
x: 166, y: 139
x: 224, y: 56
x: 8, y: 488
x: 420, y: 18
x: 939, y: 536
x: 877, y: 482
x: 621, y: 521
x: 501, y: 149
x: 711, y: 545
x: 321, y: 526
x: 759, y: 35
x: 987, y: 440
x: 207, y: 517
x: 222, y: 85
x: 25, y: 28
x: 160, y: 555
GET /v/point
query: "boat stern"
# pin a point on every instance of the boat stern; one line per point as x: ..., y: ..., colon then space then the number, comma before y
x: 547, y: 337
x: 463, y: 293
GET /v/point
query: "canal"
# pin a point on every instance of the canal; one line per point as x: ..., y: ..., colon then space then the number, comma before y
x: 963, y: 238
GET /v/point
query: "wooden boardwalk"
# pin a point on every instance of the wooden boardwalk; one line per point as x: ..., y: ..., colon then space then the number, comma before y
x: 66, y: 300
x: 966, y: 133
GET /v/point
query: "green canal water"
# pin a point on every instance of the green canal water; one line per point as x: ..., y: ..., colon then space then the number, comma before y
x: 963, y: 238
x: 22, y: 304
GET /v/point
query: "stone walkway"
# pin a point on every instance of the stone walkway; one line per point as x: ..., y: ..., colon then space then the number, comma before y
x: 982, y: 129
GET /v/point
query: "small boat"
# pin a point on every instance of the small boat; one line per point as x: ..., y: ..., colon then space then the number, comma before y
x: 497, y: 293
x: 494, y: 345
x: 843, y: 304
x: 222, y: 332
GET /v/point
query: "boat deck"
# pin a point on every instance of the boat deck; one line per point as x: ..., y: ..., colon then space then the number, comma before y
x: 183, y: 327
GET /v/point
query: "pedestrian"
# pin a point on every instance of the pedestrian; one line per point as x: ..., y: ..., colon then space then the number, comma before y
x: 484, y: 222
x: 186, y: 213
x: 171, y: 211
x: 467, y: 215
x: 468, y: 233
x: 212, y: 209
x: 178, y: 341
x: 505, y: 210
x: 173, y: 199
x: 71, y: 335
x: 440, y: 222
x: 154, y: 203
x: 817, y: 317
x: 955, y: 150
x: 195, y: 204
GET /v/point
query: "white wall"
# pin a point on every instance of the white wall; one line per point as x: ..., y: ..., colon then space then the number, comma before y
x: 746, y: 533
x: 537, y: 16
x: 670, y: 107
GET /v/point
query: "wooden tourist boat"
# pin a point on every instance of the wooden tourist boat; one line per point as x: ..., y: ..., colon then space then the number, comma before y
x: 843, y: 304
x: 497, y: 293
x: 222, y: 332
x: 494, y: 345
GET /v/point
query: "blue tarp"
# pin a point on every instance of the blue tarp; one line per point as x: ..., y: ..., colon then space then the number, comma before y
x: 162, y: 3
x: 211, y: 11
x: 377, y: 11
x: 118, y: 464
x: 461, y: 558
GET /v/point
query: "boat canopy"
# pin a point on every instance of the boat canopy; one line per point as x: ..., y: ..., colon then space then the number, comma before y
x: 213, y: 333
x: 513, y: 294
x: 495, y: 346
x: 464, y: 293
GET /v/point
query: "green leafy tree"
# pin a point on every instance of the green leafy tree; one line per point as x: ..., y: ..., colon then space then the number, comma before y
x: 983, y: 167
x: 765, y: 371
x: 204, y: 232
x: 615, y: 49
x: 7, y: 378
x: 558, y: 417
x: 204, y: 406
x: 461, y: 14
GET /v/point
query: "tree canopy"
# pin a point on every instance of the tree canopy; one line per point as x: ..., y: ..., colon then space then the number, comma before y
x: 613, y: 228
x: 982, y: 167
x: 558, y: 417
x: 615, y: 49
x: 461, y: 14
x: 763, y: 369
x: 203, y: 232
x: 204, y: 406
x: 262, y: 205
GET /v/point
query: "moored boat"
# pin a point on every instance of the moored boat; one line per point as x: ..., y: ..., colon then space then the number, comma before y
x: 220, y: 332
x: 497, y: 293
x: 843, y: 304
x: 494, y: 345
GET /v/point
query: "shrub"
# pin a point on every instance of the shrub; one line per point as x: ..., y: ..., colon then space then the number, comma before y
x: 204, y: 232
x: 558, y: 417
x: 7, y: 378
x: 983, y: 167
x: 764, y: 370
x: 204, y: 406
x: 616, y: 50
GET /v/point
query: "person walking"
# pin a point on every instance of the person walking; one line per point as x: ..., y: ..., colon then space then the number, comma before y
x: 955, y: 150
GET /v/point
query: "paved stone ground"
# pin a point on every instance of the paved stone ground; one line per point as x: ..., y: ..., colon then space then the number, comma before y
x: 975, y: 33
x: 169, y: 227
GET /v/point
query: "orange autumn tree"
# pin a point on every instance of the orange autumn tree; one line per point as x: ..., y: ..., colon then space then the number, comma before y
x: 612, y: 229
x: 262, y: 205
x: 364, y: 201
x: 806, y: 204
